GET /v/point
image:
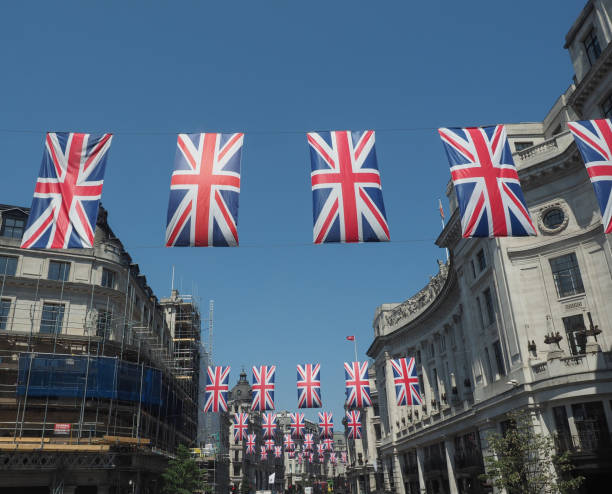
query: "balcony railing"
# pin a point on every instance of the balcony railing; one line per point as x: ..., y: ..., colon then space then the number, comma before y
x: 468, y: 458
x: 584, y: 442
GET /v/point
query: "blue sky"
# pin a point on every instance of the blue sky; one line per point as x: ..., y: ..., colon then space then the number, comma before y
x: 275, y: 70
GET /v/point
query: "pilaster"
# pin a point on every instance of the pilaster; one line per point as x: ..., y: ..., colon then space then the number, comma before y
x: 398, y: 474
x: 449, y: 448
x: 421, y: 469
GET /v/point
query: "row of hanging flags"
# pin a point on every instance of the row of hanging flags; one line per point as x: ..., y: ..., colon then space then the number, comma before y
x: 346, y: 188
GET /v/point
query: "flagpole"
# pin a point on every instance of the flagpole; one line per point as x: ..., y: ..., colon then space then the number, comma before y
x: 355, y: 342
x: 443, y: 225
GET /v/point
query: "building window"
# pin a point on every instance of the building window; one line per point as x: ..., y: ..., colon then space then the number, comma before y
x: 52, y: 318
x: 473, y: 269
x: 520, y: 145
x: 606, y: 107
x: 591, y: 45
x: 418, y: 357
x: 553, y: 219
x: 59, y: 271
x: 442, y: 343
x: 12, y: 227
x: 488, y: 364
x: 566, y: 274
x: 480, y: 315
x: 482, y: 260
x: 5, y: 307
x: 488, y: 300
x: 575, y: 331
x: 432, y: 350
x: 108, y: 278
x: 8, y: 265
x: 499, y: 358
x: 103, y: 324
x: 591, y: 426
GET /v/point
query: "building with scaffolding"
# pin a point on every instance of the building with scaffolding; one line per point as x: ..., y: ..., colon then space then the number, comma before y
x: 95, y: 391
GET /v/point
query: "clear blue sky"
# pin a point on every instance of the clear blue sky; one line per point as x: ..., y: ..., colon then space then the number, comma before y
x: 147, y: 70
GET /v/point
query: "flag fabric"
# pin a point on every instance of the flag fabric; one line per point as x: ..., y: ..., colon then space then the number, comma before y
x: 308, y: 442
x: 300, y: 458
x: 594, y: 141
x: 250, y: 443
x: 278, y: 451
x: 269, y: 444
x: 217, y: 388
x: 291, y: 453
x: 350, y: 338
x: 288, y: 442
x: 263, y: 388
x: 326, y: 424
x: 241, y: 424
x: 268, y: 424
x: 441, y: 208
x: 311, y: 457
x: 297, y: 424
x: 357, y: 384
x: 343, y: 457
x: 332, y: 458
x: 346, y: 191
x: 204, y: 191
x: 67, y: 192
x: 320, y: 448
x: 406, y: 382
x: 353, y: 424
x: 321, y: 457
x: 264, y: 453
x: 309, y: 385
x: 491, y: 200
x: 328, y: 442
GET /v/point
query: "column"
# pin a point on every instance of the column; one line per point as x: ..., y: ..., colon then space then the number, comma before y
x: 392, y: 408
x: 421, y: 469
x: 399, y: 476
x: 385, y: 465
x: 449, y: 448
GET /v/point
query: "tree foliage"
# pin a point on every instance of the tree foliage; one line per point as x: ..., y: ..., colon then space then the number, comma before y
x: 183, y: 476
x: 523, y: 461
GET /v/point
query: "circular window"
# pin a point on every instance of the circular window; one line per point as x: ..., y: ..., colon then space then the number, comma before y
x: 553, y: 219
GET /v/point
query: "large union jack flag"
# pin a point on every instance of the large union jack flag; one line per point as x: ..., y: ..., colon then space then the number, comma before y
x: 268, y: 424
x: 241, y: 424
x: 326, y: 424
x: 67, y: 193
x: 346, y: 192
x: 250, y: 443
x: 297, y: 424
x: 357, y: 384
x: 204, y: 191
x: 309, y: 385
x: 308, y: 442
x: 217, y: 387
x: 594, y: 140
x: 353, y: 424
x: 490, y: 197
x: 263, y: 388
x: 406, y: 381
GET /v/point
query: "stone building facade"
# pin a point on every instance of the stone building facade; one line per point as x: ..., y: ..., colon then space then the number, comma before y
x: 510, y: 322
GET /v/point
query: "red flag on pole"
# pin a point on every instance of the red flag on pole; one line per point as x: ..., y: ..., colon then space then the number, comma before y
x: 350, y: 338
x: 441, y: 209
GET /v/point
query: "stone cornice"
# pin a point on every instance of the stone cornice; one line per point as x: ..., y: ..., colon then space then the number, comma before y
x: 591, y: 80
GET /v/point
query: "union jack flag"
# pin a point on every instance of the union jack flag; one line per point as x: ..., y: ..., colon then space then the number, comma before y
x: 278, y: 451
x: 320, y: 448
x: 343, y: 457
x: 594, y: 140
x: 269, y: 444
x: 490, y: 197
x: 263, y: 388
x: 297, y: 424
x: 250, y: 443
x: 357, y: 384
x: 309, y: 385
x: 291, y: 454
x: 406, y: 382
x: 264, y: 453
x: 300, y: 458
x: 204, y: 191
x: 353, y: 424
x: 308, y: 442
x: 332, y: 458
x: 289, y: 442
x: 321, y: 457
x: 347, y: 195
x: 268, y: 424
x: 67, y: 192
x: 241, y: 424
x: 311, y: 457
x: 326, y: 424
x: 215, y: 396
x: 328, y: 442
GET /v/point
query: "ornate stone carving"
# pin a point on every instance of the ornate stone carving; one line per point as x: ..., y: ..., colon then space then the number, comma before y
x: 422, y: 299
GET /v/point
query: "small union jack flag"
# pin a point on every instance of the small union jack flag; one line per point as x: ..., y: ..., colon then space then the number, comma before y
x: 343, y: 457
x: 250, y: 443
x: 353, y: 424
x: 300, y: 458
x: 263, y: 388
x: 268, y: 424
x: 328, y: 442
x: 326, y: 424
x: 406, y: 382
x: 357, y: 384
x: 269, y: 444
x: 291, y: 454
x: 67, y: 193
x: 297, y: 424
x: 320, y: 448
x: 347, y: 195
x: 241, y: 424
x: 215, y: 396
x: 332, y: 458
x: 278, y: 451
x: 594, y: 140
x: 264, y: 453
x: 308, y: 442
x: 490, y: 197
x: 311, y: 457
x: 309, y: 385
x: 289, y: 442
x: 204, y: 191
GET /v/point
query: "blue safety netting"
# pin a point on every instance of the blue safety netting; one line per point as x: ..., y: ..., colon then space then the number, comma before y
x: 106, y: 377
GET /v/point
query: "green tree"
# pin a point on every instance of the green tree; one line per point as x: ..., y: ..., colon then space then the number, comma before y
x: 523, y: 461
x: 183, y: 476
